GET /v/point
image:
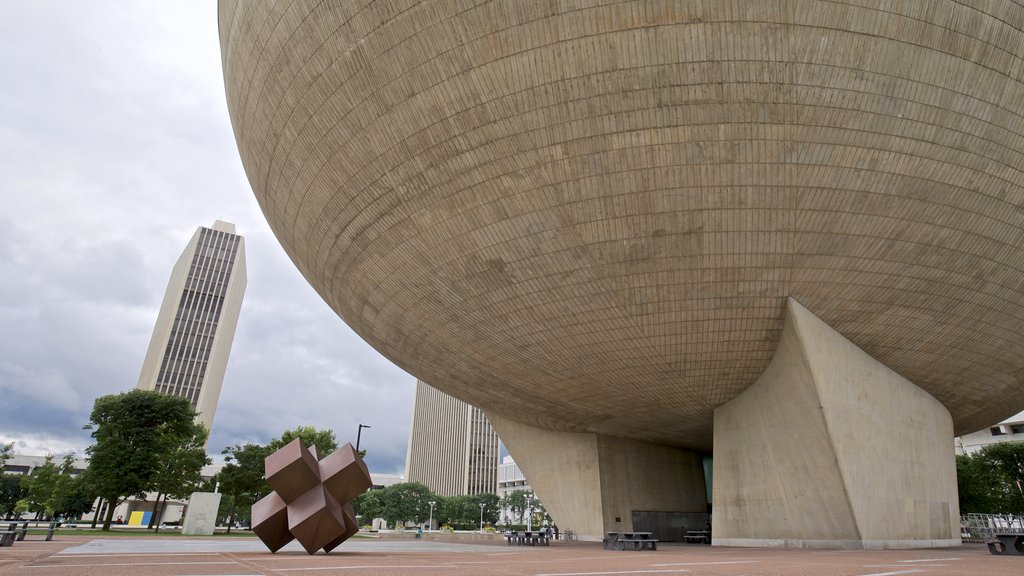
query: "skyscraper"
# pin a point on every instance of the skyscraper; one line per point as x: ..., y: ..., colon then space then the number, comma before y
x: 188, y: 352
x: 452, y: 447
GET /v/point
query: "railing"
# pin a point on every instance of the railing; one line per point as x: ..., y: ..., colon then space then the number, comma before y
x: 984, y: 527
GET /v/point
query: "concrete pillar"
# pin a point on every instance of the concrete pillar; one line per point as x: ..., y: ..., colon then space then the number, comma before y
x: 591, y: 483
x: 830, y: 448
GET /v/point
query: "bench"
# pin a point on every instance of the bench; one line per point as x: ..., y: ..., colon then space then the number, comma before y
x: 630, y: 540
x: 697, y: 537
x: 19, y: 533
x: 14, y: 534
x: 1008, y: 543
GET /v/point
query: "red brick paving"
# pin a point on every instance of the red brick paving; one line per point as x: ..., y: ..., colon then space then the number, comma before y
x: 560, y: 559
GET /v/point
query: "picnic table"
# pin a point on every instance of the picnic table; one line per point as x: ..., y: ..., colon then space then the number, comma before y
x: 630, y: 540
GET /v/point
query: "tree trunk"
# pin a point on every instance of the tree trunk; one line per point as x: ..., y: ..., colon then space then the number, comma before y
x: 99, y: 510
x: 111, y: 505
x: 156, y: 511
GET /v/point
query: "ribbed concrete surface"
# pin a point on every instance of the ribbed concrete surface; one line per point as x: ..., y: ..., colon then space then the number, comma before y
x: 588, y: 215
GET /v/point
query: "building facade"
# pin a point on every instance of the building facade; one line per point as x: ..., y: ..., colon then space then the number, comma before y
x: 510, y: 479
x: 1009, y: 430
x: 453, y: 449
x: 191, y: 341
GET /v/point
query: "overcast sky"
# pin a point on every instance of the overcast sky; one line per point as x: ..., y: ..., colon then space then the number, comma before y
x: 115, y: 144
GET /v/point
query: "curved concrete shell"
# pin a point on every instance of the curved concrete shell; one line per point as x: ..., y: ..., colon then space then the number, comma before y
x: 588, y: 216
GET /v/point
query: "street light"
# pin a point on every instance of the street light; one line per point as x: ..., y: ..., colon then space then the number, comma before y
x: 529, y: 512
x: 359, y: 435
x: 481, y: 517
x: 430, y: 523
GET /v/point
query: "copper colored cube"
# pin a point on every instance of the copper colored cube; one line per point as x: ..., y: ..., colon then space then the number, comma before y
x: 270, y: 522
x: 302, y: 507
x: 317, y: 454
x: 316, y: 519
x: 351, y: 527
x: 292, y: 471
x: 344, y: 474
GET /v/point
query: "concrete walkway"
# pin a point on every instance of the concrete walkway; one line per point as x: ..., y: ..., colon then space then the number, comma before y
x: 87, y: 556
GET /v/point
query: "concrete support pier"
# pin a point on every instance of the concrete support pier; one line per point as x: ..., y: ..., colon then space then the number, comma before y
x: 831, y: 449
x: 592, y: 483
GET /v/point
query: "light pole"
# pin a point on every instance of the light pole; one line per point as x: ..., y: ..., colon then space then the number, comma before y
x: 359, y: 435
x: 529, y: 512
x: 481, y: 517
x: 430, y: 523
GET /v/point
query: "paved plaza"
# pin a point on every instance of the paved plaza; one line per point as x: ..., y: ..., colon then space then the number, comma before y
x: 246, y: 557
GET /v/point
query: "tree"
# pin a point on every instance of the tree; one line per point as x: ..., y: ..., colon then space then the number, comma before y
x: 369, y: 505
x: 972, y: 486
x: 136, y: 433
x: 324, y: 440
x: 406, y: 502
x: 76, y: 498
x: 992, y: 479
x: 72, y: 496
x: 11, y: 490
x: 242, y: 478
x: 516, y: 503
x: 1005, y: 463
x: 40, y: 488
x: 492, y: 508
x: 181, y: 474
x: 6, y: 453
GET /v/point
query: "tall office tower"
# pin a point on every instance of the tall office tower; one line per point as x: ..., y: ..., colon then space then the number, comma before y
x: 452, y: 447
x: 189, y: 350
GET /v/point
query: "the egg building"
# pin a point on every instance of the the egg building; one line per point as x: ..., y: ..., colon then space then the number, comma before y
x: 782, y: 236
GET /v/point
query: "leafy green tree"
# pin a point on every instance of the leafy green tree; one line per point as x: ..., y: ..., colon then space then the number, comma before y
x: 1005, y: 463
x: 40, y: 487
x: 136, y: 433
x: 491, y: 509
x: 72, y: 495
x: 516, y: 503
x: 6, y: 453
x: 11, y: 490
x: 181, y: 474
x: 324, y: 440
x: 242, y: 478
x: 450, y: 510
x: 369, y: 505
x: 972, y: 486
x: 406, y: 502
x: 992, y: 479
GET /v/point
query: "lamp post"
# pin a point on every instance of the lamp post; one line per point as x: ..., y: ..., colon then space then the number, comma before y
x: 430, y: 523
x: 529, y: 512
x: 359, y: 435
x: 481, y: 517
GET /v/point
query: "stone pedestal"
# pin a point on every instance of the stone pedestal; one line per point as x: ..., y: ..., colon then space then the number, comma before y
x: 829, y: 448
x: 201, y: 516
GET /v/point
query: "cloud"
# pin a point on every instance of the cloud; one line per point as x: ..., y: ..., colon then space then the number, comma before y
x: 39, y: 384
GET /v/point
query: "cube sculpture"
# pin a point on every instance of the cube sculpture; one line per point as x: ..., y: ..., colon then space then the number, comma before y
x: 311, y: 497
